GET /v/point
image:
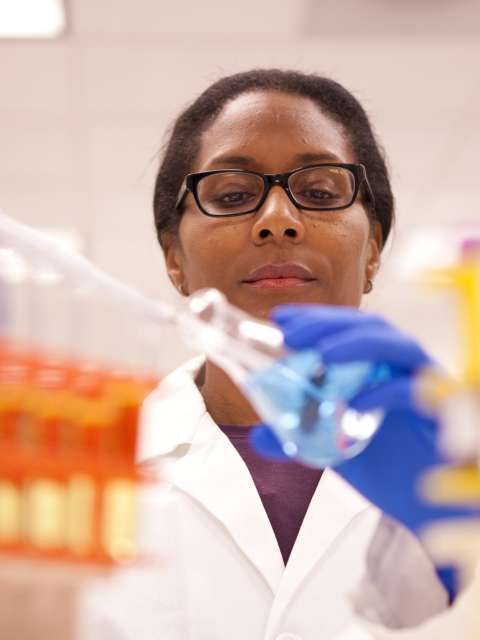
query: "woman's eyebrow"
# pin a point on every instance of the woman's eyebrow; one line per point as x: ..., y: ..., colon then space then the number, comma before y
x: 233, y: 160
x: 316, y: 157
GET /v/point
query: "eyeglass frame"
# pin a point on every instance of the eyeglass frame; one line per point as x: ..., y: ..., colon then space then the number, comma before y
x: 191, y: 180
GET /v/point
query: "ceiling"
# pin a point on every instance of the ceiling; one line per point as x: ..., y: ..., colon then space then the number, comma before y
x: 381, y: 18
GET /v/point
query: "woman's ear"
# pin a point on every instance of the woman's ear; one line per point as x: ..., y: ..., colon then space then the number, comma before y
x: 375, y: 244
x: 174, y: 261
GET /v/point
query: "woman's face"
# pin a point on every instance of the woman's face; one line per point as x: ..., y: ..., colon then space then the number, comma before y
x: 273, y: 132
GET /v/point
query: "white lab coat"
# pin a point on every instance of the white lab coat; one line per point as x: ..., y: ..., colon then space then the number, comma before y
x: 461, y: 620
x: 222, y: 575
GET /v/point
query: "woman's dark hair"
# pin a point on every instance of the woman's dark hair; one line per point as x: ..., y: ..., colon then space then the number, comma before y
x: 333, y: 100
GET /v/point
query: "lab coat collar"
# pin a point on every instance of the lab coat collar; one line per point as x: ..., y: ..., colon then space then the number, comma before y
x: 171, y: 414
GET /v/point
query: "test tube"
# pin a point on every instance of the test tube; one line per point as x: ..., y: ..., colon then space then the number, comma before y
x: 15, y: 375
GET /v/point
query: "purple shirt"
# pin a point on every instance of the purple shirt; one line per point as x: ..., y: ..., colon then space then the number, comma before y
x: 284, y: 486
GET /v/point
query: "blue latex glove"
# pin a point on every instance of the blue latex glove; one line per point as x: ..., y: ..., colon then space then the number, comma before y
x: 403, y: 448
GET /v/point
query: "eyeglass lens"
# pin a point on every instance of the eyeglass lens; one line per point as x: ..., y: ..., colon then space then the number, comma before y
x: 315, y: 188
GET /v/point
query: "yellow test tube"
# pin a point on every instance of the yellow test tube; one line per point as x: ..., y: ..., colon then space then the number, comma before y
x: 464, y: 278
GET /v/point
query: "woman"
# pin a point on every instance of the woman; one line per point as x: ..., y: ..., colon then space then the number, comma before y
x: 266, y: 548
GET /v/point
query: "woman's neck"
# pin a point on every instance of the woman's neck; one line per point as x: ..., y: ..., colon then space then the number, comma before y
x: 224, y: 402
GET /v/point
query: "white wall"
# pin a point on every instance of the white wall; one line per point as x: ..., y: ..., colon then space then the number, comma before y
x: 82, y: 119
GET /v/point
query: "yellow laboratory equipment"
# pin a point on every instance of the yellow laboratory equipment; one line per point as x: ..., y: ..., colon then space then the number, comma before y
x: 457, y: 401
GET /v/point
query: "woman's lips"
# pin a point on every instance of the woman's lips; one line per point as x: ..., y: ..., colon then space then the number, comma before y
x: 279, y: 276
x: 278, y: 283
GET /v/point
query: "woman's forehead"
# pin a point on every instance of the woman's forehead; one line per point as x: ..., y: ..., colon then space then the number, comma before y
x: 268, y: 125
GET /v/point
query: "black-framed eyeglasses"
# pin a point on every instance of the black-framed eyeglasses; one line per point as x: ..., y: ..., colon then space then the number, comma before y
x: 235, y: 192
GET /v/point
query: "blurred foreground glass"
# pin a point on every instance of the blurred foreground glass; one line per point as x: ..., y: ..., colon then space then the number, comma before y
x: 234, y: 192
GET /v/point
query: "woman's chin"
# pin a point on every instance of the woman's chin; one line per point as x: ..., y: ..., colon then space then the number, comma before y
x: 259, y: 302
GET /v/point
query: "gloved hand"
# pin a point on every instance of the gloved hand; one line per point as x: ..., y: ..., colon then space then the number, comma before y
x: 404, y: 447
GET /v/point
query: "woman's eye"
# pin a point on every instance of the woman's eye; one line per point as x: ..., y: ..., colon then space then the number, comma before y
x: 317, y: 194
x: 233, y: 197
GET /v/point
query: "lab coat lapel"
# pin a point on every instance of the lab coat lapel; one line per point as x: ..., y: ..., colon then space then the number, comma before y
x: 175, y: 419
x: 332, y: 508
x: 234, y: 501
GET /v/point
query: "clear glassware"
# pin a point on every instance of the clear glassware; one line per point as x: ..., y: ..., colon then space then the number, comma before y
x: 304, y: 402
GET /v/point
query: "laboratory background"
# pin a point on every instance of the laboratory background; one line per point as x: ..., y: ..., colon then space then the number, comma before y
x: 89, y: 90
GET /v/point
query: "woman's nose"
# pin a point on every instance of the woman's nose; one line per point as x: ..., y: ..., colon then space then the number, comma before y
x: 278, y: 220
